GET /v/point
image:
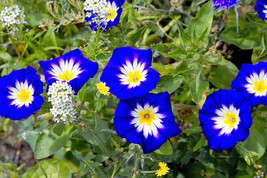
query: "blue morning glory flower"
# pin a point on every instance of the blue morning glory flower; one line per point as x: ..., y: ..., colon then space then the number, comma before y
x: 147, y: 121
x: 105, y: 13
x: 71, y: 67
x: 20, y: 94
x: 251, y: 82
x: 127, y: 73
x: 261, y: 8
x: 225, y: 119
x: 224, y: 3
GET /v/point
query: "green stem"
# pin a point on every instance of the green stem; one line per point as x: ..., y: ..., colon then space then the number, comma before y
x: 165, y: 29
x: 117, y: 166
x: 136, y: 166
x: 15, y: 47
x: 96, y: 41
x: 114, y: 171
x: 148, y: 172
x: 43, y: 171
x: 236, y: 19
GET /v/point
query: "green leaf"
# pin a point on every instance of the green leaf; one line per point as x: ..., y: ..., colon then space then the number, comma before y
x: 91, y: 165
x: 59, y: 128
x: 202, y: 142
x: 264, y: 45
x: 99, y: 137
x: 137, y: 35
x: 32, y: 135
x: 249, y: 36
x: 168, y: 83
x: 222, y: 75
x: 51, y: 168
x: 198, y: 87
x: 201, y: 24
x: 165, y: 149
x: 184, y: 36
x: 49, y: 142
x: 254, y: 147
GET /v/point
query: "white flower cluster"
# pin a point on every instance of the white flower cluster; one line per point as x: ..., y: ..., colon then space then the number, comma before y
x: 98, y: 10
x: 60, y: 94
x: 11, y: 16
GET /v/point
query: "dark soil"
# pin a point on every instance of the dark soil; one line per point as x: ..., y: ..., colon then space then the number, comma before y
x: 18, y: 151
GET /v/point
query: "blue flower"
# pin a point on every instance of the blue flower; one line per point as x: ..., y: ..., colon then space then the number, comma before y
x: 72, y: 68
x: 147, y: 121
x: 20, y: 94
x: 127, y: 73
x: 225, y: 119
x: 251, y: 82
x: 261, y: 8
x: 105, y: 13
x: 224, y: 3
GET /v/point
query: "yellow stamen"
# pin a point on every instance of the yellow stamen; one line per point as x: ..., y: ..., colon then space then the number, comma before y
x: 260, y: 86
x: 24, y: 95
x: 231, y: 119
x: 146, y: 117
x: 66, y: 76
x: 112, y: 14
x: 134, y: 77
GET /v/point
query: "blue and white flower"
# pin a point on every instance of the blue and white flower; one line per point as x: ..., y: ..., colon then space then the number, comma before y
x: 147, y: 121
x: 72, y: 68
x: 103, y: 13
x: 20, y: 94
x: 127, y: 73
x: 224, y: 3
x: 251, y: 82
x: 225, y: 119
x: 261, y: 8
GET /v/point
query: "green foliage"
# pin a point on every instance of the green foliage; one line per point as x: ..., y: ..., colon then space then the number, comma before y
x: 165, y: 149
x: 255, y: 146
x: 191, y: 64
x: 52, y: 139
x: 52, y: 168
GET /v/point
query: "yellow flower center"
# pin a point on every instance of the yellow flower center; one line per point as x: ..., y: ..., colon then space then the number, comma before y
x: 146, y: 117
x: 231, y: 119
x: 260, y: 174
x: 102, y: 88
x: 257, y: 166
x: 24, y: 95
x: 66, y: 76
x: 134, y: 77
x: 112, y: 14
x: 163, y: 169
x: 260, y: 86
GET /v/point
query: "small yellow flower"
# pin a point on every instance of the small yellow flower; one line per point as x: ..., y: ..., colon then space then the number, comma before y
x: 259, y: 173
x: 163, y: 169
x: 102, y: 88
x: 257, y: 166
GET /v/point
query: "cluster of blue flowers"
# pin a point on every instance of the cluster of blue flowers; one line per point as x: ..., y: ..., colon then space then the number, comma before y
x: 141, y: 117
x: 226, y: 115
x: 21, y: 90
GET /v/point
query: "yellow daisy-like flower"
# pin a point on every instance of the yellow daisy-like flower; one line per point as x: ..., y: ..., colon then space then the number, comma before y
x: 163, y: 169
x: 102, y: 88
x: 257, y: 166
